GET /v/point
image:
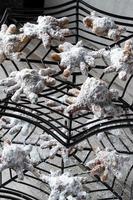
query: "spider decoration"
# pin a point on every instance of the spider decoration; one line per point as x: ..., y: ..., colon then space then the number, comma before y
x: 103, y: 26
x: 60, y: 104
x: 15, y: 125
x: 48, y: 29
x: 16, y: 157
x: 121, y: 60
x: 65, y: 186
x: 11, y: 42
x: 29, y: 82
x: 54, y: 147
x: 107, y: 162
x: 95, y: 96
x: 73, y: 56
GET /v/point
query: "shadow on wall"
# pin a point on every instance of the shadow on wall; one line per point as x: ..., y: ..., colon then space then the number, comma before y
x: 33, y: 4
x: 20, y: 4
x: 10, y: 4
x: 55, y: 2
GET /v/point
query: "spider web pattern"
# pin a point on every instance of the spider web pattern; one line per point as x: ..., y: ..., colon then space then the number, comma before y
x: 47, y: 120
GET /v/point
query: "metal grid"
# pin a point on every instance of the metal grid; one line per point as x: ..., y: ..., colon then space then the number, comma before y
x: 48, y: 120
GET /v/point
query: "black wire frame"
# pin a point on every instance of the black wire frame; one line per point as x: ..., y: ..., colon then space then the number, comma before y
x: 48, y: 120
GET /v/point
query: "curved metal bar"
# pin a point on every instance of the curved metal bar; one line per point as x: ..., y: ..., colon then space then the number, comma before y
x: 36, y: 123
x: 14, y: 194
x: 87, y: 134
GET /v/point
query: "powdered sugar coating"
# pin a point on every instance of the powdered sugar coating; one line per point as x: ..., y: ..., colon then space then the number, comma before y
x: 29, y: 82
x: 15, y: 125
x: 103, y: 26
x: 16, y: 157
x: 73, y: 56
x: 95, y: 96
x: 121, y: 60
x: 56, y: 147
x: 47, y: 29
x: 65, y: 185
x: 107, y: 162
x: 11, y: 42
x: 60, y: 104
